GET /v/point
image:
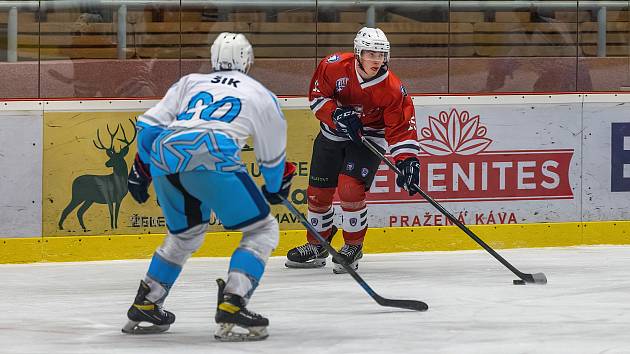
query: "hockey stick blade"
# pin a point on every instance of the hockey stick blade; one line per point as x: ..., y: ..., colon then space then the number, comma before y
x: 538, y: 278
x: 414, y: 305
x: 402, y: 304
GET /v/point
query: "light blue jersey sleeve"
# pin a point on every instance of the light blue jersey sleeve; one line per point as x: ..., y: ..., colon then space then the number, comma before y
x: 146, y: 135
x: 270, y: 142
x: 154, y: 121
x: 273, y: 176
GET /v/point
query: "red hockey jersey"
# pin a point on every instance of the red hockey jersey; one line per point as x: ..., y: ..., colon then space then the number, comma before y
x: 387, y: 112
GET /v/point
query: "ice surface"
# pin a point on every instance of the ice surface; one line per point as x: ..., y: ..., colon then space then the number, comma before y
x: 473, y: 306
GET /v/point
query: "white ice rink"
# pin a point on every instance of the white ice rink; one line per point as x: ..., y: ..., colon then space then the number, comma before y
x: 473, y: 306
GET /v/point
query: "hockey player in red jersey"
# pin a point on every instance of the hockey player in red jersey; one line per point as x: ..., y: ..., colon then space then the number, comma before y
x: 354, y: 95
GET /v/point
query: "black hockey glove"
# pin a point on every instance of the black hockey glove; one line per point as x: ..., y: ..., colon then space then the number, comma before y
x: 139, y: 180
x: 410, y: 174
x: 285, y: 187
x: 348, y: 122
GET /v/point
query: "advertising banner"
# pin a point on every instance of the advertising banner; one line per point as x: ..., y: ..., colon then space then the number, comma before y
x: 606, y: 162
x: 496, y: 163
x: 489, y: 160
x: 87, y: 157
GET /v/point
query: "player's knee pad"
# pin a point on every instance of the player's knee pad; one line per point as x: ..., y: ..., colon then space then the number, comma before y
x: 320, y: 199
x: 351, y: 192
x: 262, y: 237
x: 177, y: 248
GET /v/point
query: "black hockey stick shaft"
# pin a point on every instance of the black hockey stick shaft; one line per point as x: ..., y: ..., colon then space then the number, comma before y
x: 538, y: 278
x: 403, y: 304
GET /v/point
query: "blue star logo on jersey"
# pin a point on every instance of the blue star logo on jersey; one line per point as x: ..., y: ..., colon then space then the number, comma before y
x: 196, y: 150
x: 333, y: 58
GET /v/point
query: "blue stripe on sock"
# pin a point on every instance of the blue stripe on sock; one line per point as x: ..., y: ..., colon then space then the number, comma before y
x: 163, y: 271
x: 246, y: 262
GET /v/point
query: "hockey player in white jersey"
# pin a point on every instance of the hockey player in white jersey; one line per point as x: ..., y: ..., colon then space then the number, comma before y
x: 189, y: 143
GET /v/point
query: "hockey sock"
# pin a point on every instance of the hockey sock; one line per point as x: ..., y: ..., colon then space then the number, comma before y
x: 320, y: 211
x: 169, y: 259
x: 354, y: 225
x: 352, y: 195
x: 246, y: 269
x: 161, y: 277
x: 322, y: 222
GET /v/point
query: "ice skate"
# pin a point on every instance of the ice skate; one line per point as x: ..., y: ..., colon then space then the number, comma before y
x: 144, y: 310
x: 309, y: 255
x: 235, y: 322
x: 351, y: 255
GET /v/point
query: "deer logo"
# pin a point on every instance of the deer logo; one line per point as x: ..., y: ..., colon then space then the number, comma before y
x: 103, y: 189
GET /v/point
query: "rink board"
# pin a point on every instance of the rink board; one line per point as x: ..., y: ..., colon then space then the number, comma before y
x: 535, y: 168
x: 21, y: 172
x: 378, y: 240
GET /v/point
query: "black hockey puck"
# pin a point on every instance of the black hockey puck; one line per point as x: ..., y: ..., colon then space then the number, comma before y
x: 518, y: 282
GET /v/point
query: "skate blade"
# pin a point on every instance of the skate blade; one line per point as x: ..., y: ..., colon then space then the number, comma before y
x: 339, y: 269
x: 226, y: 333
x: 133, y: 327
x: 316, y: 263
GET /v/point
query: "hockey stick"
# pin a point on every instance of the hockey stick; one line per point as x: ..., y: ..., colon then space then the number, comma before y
x: 403, y: 304
x: 537, y: 278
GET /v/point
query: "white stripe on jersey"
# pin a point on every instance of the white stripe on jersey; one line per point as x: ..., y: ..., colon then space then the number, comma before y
x: 318, y: 103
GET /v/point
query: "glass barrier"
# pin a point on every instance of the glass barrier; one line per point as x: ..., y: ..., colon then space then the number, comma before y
x: 282, y: 35
x: 133, y: 48
x: 604, y: 46
x: 516, y: 46
x: 418, y: 32
x: 108, y: 49
x: 19, y: 53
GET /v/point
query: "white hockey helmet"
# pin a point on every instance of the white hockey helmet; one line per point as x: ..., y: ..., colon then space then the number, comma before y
x: 371, y: 39
x: 231, y: 51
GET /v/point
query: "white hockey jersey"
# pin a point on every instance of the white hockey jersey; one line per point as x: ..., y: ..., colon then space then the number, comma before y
x: 203, y: 121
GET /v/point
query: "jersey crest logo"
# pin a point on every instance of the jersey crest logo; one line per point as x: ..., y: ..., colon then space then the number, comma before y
x: 333, y: 58
x: 350, y: 166
x: 314, y: 221
x: 353, y: 221
x: 364, y: 172
x: 341, y: 84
